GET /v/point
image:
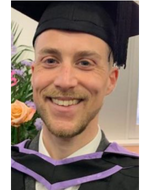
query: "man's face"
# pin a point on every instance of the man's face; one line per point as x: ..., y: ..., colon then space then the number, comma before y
x: 71, y: 77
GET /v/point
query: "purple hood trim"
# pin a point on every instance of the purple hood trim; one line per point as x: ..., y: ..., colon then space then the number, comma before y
x: 112, y: 148
x: 68, y: 183
x: 29, y: 172
x: 116, y: 149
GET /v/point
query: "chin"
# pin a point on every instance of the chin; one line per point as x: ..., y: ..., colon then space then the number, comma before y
x: 61, y: 131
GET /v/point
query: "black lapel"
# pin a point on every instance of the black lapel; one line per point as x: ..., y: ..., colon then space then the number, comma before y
x: 29, y: 181
x: 103, y: 144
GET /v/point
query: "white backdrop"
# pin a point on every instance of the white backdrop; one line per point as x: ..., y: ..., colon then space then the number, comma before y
x: 28, y: 27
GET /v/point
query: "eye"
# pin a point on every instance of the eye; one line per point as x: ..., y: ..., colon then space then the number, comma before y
x: 85, y: 63
x: 50, y: 61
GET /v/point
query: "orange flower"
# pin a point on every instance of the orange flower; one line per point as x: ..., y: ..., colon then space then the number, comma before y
x: 20, y: 113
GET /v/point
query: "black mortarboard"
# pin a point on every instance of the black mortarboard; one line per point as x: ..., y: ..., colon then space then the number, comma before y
x: 112, y: 21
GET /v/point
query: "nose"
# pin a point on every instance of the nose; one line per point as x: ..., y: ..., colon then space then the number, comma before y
x: 66, y: 78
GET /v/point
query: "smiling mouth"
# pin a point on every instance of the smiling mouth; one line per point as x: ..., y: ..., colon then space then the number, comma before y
x: 65, y: 103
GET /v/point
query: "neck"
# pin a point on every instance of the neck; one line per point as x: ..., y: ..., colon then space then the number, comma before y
x: 59, y: 148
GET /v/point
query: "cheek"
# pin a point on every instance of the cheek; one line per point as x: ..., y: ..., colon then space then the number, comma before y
x: 41, y: 80
x: 97, y: 86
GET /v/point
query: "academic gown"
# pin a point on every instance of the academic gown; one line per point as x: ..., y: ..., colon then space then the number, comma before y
x: 117, y: 169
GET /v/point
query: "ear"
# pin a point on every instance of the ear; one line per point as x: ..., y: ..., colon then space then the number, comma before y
x: 32, y: 70
x: 113, y: 76
x: 32, y: 66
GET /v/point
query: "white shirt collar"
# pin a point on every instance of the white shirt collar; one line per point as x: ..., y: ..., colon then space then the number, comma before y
x: 89, y: 148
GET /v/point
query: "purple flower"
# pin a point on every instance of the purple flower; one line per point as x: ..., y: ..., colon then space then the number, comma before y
x: 30, y: 104
x: 11, y: 47
x: 13, y: 50
x: 26, y: 63
x: 38, y: 123
x: 18, y: 72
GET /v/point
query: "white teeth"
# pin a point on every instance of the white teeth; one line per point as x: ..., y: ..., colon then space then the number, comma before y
x: 65, y: 102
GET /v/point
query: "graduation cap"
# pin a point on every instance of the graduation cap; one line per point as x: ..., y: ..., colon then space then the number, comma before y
x: 112, y: 21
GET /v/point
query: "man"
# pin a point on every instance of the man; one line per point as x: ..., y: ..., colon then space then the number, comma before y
x: 76, y: 51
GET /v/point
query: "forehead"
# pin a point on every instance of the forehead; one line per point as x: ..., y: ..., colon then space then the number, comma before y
x: 60, y: 39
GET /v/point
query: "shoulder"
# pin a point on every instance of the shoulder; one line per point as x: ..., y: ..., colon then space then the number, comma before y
x: 129, y: 161
x: 128, y: 176
x: 20, y: 146
x: 28, y: 144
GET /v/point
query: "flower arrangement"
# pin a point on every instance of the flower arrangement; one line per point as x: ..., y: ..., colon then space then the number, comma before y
x: 25, y: 121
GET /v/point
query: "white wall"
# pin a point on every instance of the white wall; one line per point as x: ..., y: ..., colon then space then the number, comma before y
x: 28, y: 25
x: 118, y: 115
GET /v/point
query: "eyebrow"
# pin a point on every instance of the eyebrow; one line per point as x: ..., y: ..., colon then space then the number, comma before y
x: 50, y: 51
x: 87, y: 54
x: 79, y: 54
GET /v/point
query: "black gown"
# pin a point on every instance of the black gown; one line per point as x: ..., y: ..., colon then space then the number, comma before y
x: 110, y: 168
